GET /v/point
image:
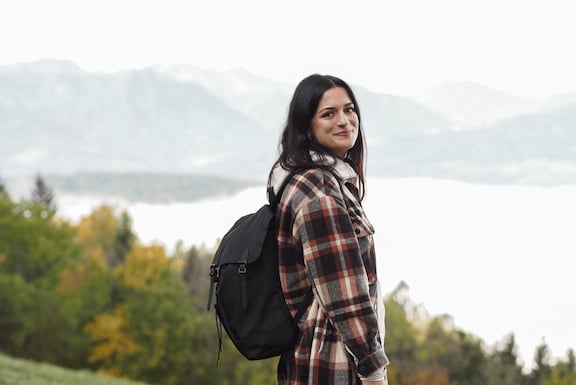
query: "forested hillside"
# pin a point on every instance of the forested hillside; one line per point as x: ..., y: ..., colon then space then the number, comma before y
x: 91, y: 296
x: 149, y: 187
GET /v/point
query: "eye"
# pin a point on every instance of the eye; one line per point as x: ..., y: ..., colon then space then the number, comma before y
x: 327, y: 114
x: 349, y: 109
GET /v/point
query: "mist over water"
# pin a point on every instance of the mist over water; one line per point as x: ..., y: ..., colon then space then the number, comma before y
x: 498, y: 259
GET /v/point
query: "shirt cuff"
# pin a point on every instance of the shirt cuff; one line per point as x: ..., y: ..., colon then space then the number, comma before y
x: 371, y: 364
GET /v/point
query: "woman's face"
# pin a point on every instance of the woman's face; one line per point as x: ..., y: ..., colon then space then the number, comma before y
x: 335, y: 123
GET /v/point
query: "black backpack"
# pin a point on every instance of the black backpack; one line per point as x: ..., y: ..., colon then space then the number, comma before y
x: 249, y: 302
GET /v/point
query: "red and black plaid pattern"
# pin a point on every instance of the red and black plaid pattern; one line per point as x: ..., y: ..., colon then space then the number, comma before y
x: 325, y: 243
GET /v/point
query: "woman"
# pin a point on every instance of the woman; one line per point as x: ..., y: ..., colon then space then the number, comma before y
x: 325, y: 241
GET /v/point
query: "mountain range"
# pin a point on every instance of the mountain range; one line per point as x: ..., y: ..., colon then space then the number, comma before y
x: 57, y: 119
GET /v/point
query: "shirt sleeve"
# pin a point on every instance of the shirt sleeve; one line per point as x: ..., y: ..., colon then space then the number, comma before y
x: 333, y: 258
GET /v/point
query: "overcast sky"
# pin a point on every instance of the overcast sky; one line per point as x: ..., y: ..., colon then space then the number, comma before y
x: 400, y: 47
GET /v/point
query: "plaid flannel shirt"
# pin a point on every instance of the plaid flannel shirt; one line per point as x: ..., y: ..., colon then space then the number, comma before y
x: 325, y: 244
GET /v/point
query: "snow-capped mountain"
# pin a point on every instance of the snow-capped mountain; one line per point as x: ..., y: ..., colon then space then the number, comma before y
x: 56, y: 118
x: 472, y: 105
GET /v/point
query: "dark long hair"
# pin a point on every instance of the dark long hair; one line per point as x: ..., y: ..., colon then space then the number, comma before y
x: 295, y: 145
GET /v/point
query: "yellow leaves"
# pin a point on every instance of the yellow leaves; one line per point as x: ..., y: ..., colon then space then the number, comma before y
x: 96, y: 233
x: 144, y: 266
x: 110, y: 332
x: 177, y: 264
x: 125, y: 341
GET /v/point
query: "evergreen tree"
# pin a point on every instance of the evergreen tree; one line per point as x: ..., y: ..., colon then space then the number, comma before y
x: 542, y: 361
x: 571, y: 361
x: 43, y: 194
x: 503, y: 367
x: 195, y: 274
x: 3, y: 190
x: 123, y: 240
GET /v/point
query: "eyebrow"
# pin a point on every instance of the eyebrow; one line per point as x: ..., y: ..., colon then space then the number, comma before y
x: 333, y: 108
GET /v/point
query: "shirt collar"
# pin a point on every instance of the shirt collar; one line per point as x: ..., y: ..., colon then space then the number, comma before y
x: 342, y: 169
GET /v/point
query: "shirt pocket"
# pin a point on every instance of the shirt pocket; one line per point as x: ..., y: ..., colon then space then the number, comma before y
x: 362, y: 226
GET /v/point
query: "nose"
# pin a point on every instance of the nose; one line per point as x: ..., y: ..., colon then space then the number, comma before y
x: 342, y: 118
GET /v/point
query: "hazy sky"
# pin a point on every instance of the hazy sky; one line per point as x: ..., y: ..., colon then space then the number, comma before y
x: 399, y: 47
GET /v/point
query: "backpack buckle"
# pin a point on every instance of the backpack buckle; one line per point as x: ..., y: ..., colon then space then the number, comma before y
x: 242, y: 267
x: 214, y: 272
x: 214, y: 275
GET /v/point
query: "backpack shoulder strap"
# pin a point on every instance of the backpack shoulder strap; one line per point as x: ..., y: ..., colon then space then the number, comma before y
x: 274, y: 199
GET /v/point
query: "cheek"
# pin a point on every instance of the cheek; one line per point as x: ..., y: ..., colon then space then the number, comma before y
x: 317, y: 130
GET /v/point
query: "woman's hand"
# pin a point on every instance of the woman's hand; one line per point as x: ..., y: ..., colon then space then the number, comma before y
x: 379, y: 382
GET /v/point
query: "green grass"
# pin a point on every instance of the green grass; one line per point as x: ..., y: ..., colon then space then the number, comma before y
x: 21, y: 372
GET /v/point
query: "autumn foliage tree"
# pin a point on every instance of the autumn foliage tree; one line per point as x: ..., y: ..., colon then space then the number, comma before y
x: 152, y: 322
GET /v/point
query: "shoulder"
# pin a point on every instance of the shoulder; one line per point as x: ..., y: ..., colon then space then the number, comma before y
x: 311, y: 184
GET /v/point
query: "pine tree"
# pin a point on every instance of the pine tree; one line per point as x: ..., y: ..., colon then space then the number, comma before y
x: 123, y: 240
x: 43, y: 194
x: 196, y: 266
x: 503, y: 367
x: 542, y: 361
x: 3, y: 190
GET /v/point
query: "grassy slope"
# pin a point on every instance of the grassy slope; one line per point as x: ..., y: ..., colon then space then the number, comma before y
x: 20, y: 372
